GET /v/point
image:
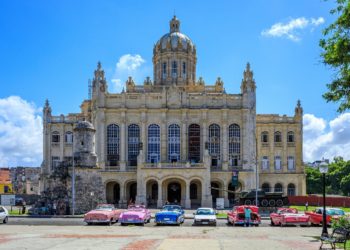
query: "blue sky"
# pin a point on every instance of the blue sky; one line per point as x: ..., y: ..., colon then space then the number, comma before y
x: 49, y: 49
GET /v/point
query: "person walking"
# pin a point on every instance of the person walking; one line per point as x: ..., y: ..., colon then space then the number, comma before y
x: 247, y: 214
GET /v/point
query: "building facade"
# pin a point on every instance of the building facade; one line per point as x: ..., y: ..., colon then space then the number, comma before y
x: 5, y: 181
x: 173, y: 138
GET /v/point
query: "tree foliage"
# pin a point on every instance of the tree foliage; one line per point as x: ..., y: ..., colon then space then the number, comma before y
x: 337, y: 178
x: 336, y: 54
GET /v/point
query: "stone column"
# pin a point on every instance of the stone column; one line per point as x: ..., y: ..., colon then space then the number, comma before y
x: 123, y: 201
x: 226, y: 201
x: 144, y: 136
x: 187, y: 197
x: 160, y: 195
x: 204, y: 140
x: 141, y: 192
x: 163, y: 141
x: 224, y: 143
x: 122, y: 146
x: 184, y: 138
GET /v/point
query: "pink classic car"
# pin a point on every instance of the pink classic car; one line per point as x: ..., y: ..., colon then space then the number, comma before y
x: 289, y: 216
x: 103, y: 213
x: 136, y: 214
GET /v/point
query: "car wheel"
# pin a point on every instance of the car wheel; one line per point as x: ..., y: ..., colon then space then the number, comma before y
x: 6, y: 220
x: 89, y: 223
x: 110, y: 222
x: 272, y: 224
x: 122, y: 224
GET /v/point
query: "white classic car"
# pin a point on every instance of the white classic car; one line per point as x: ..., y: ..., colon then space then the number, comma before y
x: 4, y: 215
x: 205, y: 216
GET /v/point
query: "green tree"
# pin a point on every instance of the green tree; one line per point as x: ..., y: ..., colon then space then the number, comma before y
x: 336, y: 54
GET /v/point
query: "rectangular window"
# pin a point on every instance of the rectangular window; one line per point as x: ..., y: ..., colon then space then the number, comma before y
x: 183, y: 70
x: 265, y: 165
x: 164, y: 71
x: 291, y: 165
x: 55, y: 162
x: 278, y: 163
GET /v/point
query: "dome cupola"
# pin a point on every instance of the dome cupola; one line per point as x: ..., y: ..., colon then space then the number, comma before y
x: 174, y: 57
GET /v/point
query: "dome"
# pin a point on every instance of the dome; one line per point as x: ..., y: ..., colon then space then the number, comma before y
x: 84, y: 125
x: 175, y: 38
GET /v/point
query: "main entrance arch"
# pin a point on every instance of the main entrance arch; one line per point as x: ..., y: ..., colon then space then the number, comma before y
x: 174, y: 192
x: 112, y: 192
x: 131, y: 191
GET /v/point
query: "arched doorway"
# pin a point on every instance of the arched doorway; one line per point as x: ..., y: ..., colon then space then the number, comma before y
x: 174, y: 192
x: 112, y: 193
x: 152, y: 193
x: 231, y: 195
x: 131, y: 191
x: 215, y: 191
x: 265, y: 187
x: 196, y: 193
x: 291, y: 189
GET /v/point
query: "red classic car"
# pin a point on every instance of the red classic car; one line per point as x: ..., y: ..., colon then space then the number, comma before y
x: 103, y: 213
x: 316, y: 216
x: 289, y: 216
x: 237, y: 216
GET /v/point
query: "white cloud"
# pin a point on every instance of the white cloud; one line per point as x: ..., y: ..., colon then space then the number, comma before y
x: 322, y: 139
x: 20, y: 133
x: 128, y: 65
x: 289, y: 30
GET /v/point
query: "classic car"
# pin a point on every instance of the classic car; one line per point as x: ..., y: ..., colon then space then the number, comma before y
x: 289, y: 216
x: 4, y: 215
x: 237, y: 215
x: 204, y: 216
x: 316, y: 216
x: 103, y: 213
x: 170, y: 214
x: 136, y: 214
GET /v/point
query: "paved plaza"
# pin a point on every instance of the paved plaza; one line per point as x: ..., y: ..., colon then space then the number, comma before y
x: 72, y: 234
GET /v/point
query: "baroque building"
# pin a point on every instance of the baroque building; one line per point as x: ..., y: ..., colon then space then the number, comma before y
x: 174, y: 137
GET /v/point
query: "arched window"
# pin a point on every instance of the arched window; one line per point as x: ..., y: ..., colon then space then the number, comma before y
x: 291, y: 189
x: 278, y: 165
x: 164, y: 71
x: 194, y: 143
x: 278, y: 137
x: 68, y: 137
x: 265, y: 187
x: 113, y: 144
x: 183, y: 70
x: 153, y: 146
x: 278, y: 187
x: 133, y: 144
x: 174, y: 143
x: 214, y: 140
x: 174, y: 69
x: 55, y: 137
x: 265, y: 137
x: 290, y: 136
x: 234, y: 144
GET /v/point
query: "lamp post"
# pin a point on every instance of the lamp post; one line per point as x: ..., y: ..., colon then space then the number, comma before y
x: 323, y: 167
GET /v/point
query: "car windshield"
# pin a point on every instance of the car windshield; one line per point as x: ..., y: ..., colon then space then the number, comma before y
x: 136, y: 208
x: 104, y: 207
x: 205, y: 212
x: 172, y: 208
x: 335, y: 212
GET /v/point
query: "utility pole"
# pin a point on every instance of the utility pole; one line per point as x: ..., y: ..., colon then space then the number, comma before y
x: 73, y: 179
x: 256, y: 171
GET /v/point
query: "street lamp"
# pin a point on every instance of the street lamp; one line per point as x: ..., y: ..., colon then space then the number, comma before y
x: 323, y: 167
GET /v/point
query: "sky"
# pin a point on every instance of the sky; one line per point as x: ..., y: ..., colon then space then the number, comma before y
x: 49, y: 50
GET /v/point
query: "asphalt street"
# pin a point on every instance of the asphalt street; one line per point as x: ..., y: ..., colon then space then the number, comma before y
x: 30, y: 221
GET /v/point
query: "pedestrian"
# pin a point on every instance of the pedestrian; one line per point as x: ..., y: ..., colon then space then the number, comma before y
x: 306, y: 206
x: 54, y: 208
x: 247, y: 214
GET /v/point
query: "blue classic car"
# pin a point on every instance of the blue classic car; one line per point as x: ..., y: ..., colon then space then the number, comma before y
x: 170, y: 214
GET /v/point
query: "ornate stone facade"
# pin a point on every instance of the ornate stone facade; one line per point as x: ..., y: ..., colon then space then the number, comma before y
x: 173, y: 138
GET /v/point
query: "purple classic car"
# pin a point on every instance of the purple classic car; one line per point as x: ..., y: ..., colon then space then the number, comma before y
x: 136, y: 214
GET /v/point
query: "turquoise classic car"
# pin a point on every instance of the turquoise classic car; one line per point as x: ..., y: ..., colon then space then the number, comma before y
x: 170, y: 214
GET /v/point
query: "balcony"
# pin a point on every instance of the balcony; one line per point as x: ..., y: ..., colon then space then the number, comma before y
x: 112, y: 168
x: 168, y: 165
x: 291, y: 144
x: 278, y: 144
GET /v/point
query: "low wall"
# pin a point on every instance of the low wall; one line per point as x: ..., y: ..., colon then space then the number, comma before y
x: 316, y: 200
